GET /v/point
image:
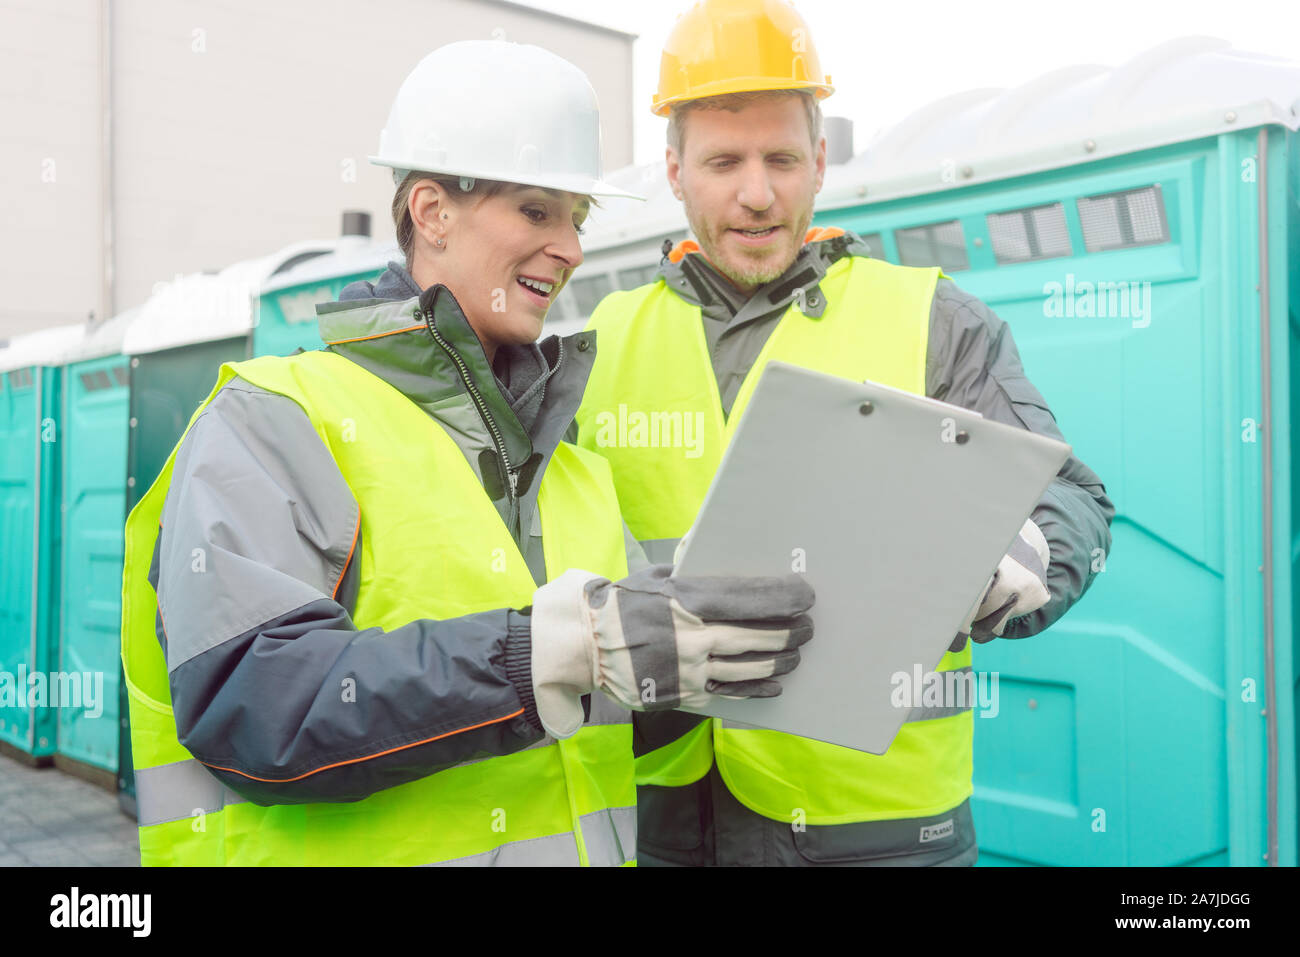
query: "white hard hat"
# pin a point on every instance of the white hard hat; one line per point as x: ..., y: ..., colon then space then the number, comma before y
x: 488, y: 109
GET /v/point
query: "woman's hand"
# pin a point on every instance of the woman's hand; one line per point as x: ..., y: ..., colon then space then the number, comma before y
x: 653, y: 642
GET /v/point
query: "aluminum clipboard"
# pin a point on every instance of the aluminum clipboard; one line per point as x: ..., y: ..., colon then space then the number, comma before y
x: 896, y: 507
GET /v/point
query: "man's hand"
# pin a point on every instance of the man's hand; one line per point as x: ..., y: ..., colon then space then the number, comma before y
x: 652, y: 642
x: 1018, y: 587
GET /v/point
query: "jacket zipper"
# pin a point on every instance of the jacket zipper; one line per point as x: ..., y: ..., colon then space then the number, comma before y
x: 512, y: 476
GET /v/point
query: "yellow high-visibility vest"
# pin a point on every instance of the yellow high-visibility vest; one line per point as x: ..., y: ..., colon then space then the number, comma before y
x: 424, y: 556
x: 652, y: 409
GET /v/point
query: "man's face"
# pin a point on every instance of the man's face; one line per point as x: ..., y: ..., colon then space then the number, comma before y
x: 748, y: 180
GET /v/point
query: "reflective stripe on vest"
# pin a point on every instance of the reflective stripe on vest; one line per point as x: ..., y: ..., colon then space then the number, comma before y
x: 653, y: 410
x: 610, y: 837
x: 559, y: 802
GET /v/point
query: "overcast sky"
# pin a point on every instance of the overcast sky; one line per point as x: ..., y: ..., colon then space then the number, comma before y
x: 888, y: 59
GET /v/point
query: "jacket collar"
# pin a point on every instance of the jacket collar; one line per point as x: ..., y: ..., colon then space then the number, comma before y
x: 690, y: 274
x: 425, y: 347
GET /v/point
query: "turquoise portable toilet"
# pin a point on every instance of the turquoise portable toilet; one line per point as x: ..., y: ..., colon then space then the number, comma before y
x: 1138, y: 229
x: 92, y: 463
x: 30, y: 379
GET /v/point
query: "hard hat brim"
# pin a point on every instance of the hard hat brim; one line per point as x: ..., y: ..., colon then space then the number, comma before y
x: 740, y: 85
x: 568, y: 183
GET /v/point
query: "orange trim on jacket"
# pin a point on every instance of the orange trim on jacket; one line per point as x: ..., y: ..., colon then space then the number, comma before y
x: 377, y: 335
x: 338, y: 764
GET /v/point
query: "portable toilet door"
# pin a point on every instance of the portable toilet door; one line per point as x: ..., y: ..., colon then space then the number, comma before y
x: 93, y: 474
x: 29, y: 540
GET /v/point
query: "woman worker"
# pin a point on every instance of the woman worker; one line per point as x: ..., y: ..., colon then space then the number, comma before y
x: 375, y: 610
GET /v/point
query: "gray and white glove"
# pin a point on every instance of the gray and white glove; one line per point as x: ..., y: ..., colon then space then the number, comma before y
x: 1018, y: 587
x: 652, y: 642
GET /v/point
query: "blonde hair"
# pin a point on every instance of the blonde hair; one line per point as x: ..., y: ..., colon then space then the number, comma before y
x: 734, y: 103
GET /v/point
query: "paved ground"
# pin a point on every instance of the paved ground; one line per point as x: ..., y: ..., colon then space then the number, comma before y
x: 48, y: 818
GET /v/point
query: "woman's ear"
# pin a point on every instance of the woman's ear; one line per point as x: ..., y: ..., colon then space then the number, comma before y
x: 430, y: 212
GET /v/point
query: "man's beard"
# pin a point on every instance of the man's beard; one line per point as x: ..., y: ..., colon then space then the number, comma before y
x: 757, y: 274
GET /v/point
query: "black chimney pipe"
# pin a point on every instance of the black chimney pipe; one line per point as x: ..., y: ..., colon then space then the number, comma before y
x: 356, y: 222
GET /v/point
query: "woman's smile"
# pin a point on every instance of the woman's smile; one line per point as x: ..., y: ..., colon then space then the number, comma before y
x: 539, y: 291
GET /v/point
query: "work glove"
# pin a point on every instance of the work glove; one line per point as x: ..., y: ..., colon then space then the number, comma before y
x: 652, y: 642
x: 1018, y: 587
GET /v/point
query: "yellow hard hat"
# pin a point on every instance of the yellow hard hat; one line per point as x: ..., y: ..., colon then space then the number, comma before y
x: 738, y: 46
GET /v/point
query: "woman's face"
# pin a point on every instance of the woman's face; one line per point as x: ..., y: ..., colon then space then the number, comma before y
x: 504, y: 257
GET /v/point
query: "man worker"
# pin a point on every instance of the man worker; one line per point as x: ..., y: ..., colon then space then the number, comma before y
x: 740, y: 82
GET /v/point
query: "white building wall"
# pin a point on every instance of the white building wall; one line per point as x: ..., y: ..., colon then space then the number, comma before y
x: 50, y: 161
x: 238, y: 126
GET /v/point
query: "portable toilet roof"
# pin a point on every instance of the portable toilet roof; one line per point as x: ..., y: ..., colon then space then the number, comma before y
x: 353, y: 254
x: 44, y: 347
x: 1181, y: 90
x: 104, y: 339
x: 203, y: 307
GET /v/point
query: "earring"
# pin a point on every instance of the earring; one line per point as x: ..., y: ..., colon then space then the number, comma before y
x: 439, y: 242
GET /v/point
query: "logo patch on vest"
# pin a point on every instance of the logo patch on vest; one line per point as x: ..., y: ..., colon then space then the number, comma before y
x: 936, y: 832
